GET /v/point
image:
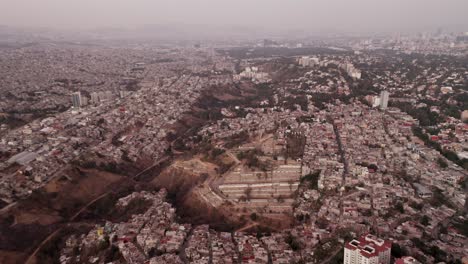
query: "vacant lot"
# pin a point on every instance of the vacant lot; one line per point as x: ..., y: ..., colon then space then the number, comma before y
x: 25, y: 225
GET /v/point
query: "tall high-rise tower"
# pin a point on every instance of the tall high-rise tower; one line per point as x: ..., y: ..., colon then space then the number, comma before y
x: 368, y: 249
x: 384, y: 96
x: 76, y: 99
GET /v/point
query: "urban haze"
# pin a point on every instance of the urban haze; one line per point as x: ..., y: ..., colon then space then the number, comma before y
x: 231, y: 132
x: 314, y: 16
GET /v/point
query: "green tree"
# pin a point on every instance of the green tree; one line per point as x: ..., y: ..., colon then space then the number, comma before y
x: 425, y: 220
x: 399, y: 207
x: 442, y: 163
x: 253, y: 216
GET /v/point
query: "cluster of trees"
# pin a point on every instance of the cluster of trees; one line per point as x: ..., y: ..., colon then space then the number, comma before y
x: 295, y: 143
x: 311, y: 180
x: 237, y: 139
x: 398, y: 251
x: 425, y: 220
x: 213, y: 155
x: 325, y: 249
x: 216, y: 152
x: 247, y: 195
x: 12, y: 121
x: 322, y: 222
x: 252, y: 160
x: 442, y: 163
x: 438, y: 199
x: 363, y: 88
x: 453, y: 110
x: 450, y: 155
x: 320, y: 100
x: 399, y: 207
x: 417, y: 206
x: 293, y: 242
x: 425, y: 116
x: 290, y: 103
x: 254, y: 216
x: 438, y: 254
x: 462, y: 226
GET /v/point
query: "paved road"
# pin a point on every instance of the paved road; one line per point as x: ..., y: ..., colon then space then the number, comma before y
x: 345, y: 163
x: 184, y: 245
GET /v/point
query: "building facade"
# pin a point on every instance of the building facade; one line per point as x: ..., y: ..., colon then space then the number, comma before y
x: 76, y: 99
x: 384, y: 96
x: 368, y: 249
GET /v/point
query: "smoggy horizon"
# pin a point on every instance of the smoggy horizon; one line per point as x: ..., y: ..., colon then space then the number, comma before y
x: 267, y: 15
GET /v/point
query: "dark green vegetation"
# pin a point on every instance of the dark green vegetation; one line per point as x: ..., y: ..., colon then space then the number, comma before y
x: 311, y: 180
x: 438, y: 199
x: 293, y: 242
x: 424, y: 115
x: 16, y: 118
x: 425, y: 220
x: 462, y: 226
x: 434, y: 251
x: 450, y: 155
x: 398, y: 251
x: 252, y: 161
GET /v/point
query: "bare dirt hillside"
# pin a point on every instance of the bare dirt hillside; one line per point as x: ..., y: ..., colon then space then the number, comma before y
x: 25, y: 225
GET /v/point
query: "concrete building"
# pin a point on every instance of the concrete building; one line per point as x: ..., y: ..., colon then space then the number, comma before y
x: 464, y: 116
x: 446, y: 89
x: 23, y: 158
x: 308, y: 61
x: 384, y: 96
x: 351, y: 70
x: 422, y: 191
x: 368, y: 249
x: 76, y: 99
x: 94, y: 98
x: 123, y: 94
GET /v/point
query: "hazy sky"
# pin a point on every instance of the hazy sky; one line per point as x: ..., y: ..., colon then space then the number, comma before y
x: 314, y: 15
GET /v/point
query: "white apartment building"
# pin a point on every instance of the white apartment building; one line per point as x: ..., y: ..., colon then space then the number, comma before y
x: 368, y: 249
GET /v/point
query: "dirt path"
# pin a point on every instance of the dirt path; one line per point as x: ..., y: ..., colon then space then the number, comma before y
x: 247, y: 227
x: 89, y: 204
x: 6, y: 208
x: 32, y: 258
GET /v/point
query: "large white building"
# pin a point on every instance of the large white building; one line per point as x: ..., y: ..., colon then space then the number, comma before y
x: 254, y: 74
x: 384, y: 96
x: 352, y: 71
x: 368, y: 249
x: 308, y: 61
x: 76, y: 100
x: 97, y: 97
